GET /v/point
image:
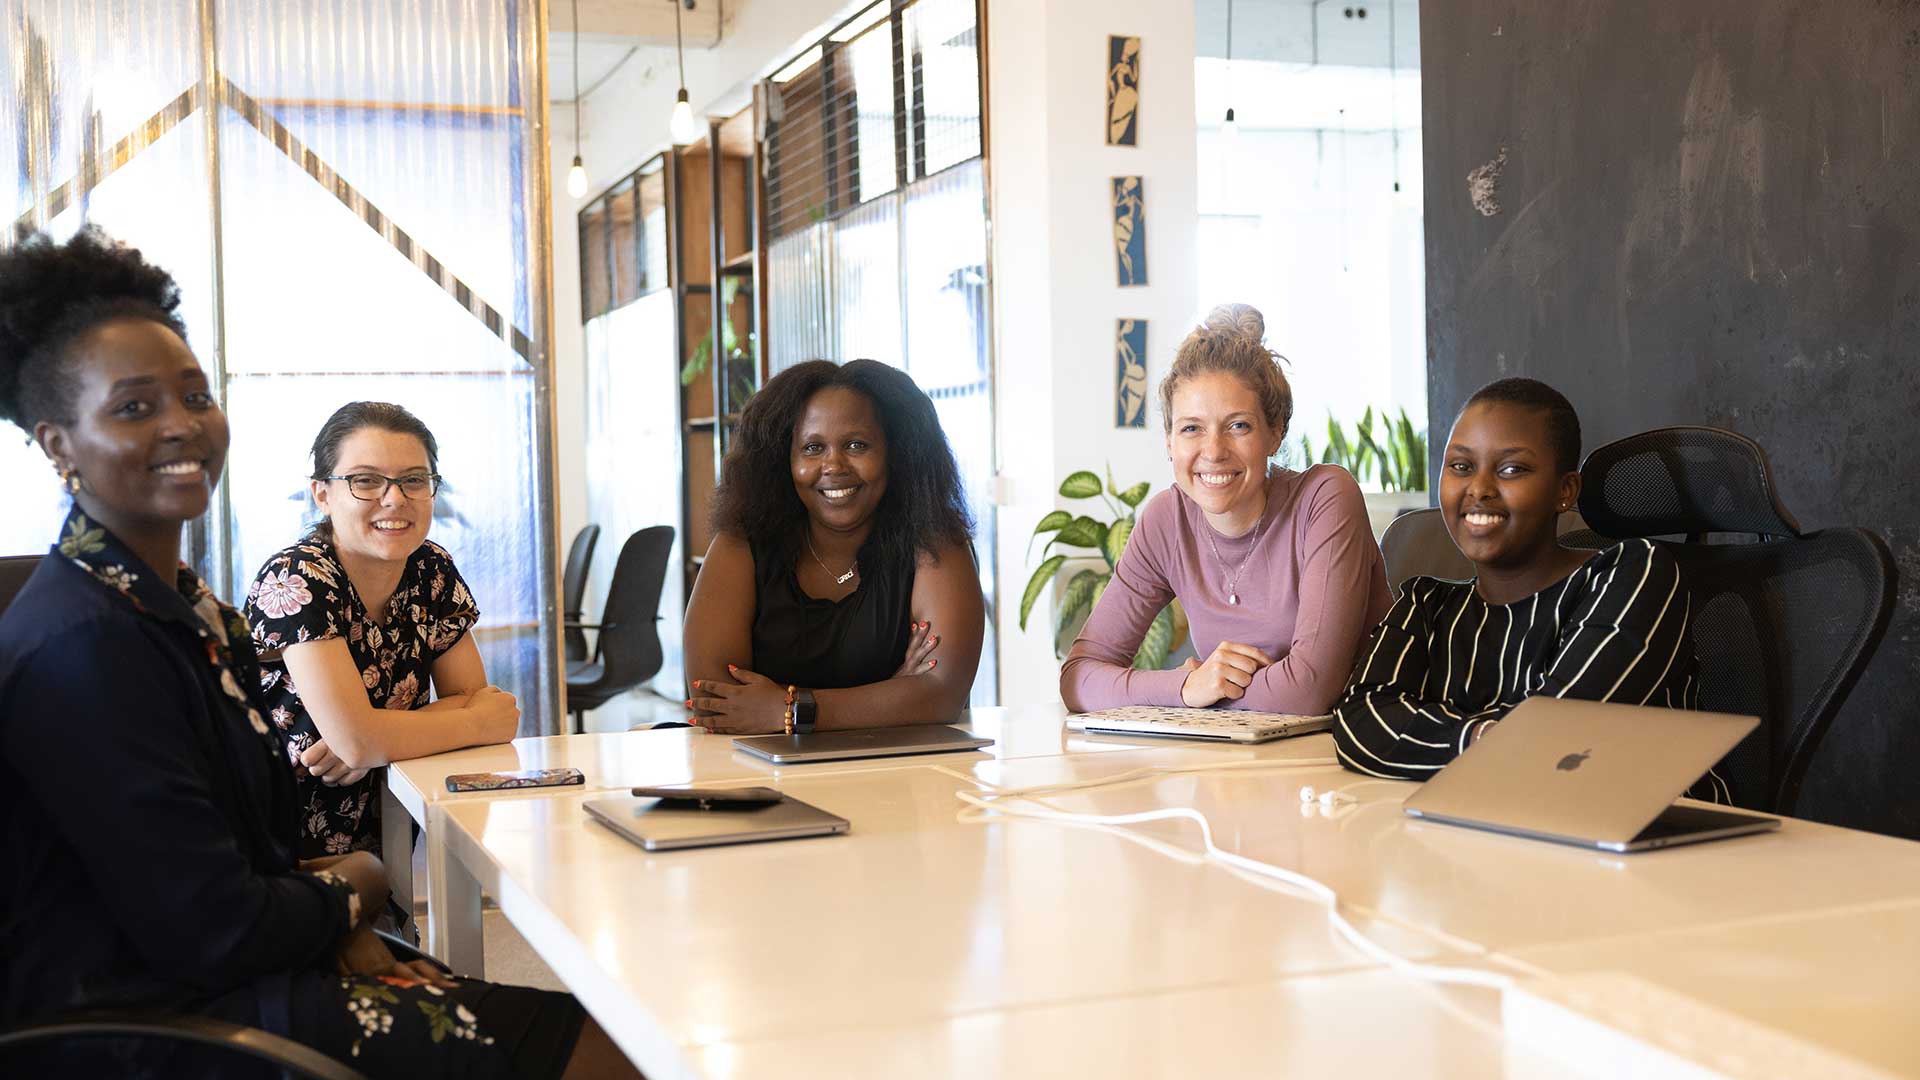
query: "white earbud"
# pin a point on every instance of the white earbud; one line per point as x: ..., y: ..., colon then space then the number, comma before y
x: 1331, y: 799
x: 1306, y: 793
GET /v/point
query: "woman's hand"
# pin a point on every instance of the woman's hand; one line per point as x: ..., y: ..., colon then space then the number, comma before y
x: 364, y: 953
x: 750, y: 705
x: 919, y: 659
x: 496, y: 715
x: 324, y: 765
x: 1224, y: 676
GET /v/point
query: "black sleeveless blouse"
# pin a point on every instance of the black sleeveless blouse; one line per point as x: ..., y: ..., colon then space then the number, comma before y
x: 826, y: 644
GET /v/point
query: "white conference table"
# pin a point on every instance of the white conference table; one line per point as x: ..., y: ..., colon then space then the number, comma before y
x: 620, y: 760
x: 923, y: 943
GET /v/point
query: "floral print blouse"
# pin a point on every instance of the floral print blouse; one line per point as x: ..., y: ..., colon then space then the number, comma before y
x: 302, y: 594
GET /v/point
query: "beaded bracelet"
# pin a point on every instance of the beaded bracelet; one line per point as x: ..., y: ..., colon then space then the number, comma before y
x: 787, y: 718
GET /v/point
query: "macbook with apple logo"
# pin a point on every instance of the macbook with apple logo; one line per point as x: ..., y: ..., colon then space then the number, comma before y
x: 1591, y: 774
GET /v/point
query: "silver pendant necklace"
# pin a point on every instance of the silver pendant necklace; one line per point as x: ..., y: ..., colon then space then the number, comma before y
x: 851, y: 570
x: 1233, y: 579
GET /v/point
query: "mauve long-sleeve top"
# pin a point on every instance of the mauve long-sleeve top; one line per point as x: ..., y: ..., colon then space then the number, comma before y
x: 1312, y: 589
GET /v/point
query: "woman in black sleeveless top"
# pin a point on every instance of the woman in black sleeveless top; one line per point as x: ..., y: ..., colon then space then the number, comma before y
x: 840, y: 590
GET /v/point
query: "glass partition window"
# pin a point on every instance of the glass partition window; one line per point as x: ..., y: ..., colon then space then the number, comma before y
x: 368, y: 230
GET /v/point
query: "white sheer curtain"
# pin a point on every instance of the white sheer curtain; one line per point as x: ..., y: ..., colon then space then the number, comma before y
x: 362, y: 220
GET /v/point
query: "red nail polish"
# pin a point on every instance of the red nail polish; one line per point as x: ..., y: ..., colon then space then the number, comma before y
x: 933, y: 663
x: 730, y: 667
x: 689, y: 703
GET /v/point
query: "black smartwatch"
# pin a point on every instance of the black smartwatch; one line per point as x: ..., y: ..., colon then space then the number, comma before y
x: 805, y: 712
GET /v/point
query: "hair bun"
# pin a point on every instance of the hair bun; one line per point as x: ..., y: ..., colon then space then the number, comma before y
x: 1239, y: 320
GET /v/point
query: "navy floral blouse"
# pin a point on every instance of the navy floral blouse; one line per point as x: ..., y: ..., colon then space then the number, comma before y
x: 302, y: 594
x: 146, y: 820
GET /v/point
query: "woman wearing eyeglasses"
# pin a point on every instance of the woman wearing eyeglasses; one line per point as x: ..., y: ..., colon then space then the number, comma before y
x: 358, y: 619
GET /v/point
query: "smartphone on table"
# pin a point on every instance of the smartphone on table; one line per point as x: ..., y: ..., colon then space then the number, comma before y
x: 525, y: 778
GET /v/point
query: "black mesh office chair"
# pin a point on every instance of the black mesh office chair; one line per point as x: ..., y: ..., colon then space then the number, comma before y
x: 573, y: 590
x: 627, y: 652
x: 1784, y: 621
x: 1416, y: 544
x: 14, y: 572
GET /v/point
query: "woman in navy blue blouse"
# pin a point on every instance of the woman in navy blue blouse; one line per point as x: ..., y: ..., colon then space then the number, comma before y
x: 147, y: 811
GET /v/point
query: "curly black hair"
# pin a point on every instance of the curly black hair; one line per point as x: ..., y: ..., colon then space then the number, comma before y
x: 925, y: 506
x: 52, y: 293
x: 1563, y: 424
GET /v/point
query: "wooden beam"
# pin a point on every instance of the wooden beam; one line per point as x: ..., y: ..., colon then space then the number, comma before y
x: 638, y: 22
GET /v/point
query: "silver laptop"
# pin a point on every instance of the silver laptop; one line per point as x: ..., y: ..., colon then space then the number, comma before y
x: 659, y: 826
x: 1219, y: 725
x: 1590, y: 774
x: 870, y: 742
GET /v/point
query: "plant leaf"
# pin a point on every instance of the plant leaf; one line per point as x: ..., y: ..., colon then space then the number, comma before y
x: 1368, y: 448
x: 1053, y: 521
x: 1058, y: 519
x: 1115, y: 541
x: 1136, y: 494
x: 1080, y: 485
x: 1077, y: 598
x: 1111, y: 489
x: 1153, y: 648
x: 1084, y: 532
x: 1037, y: 582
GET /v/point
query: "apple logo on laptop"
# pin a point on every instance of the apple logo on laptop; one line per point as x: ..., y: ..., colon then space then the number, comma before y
x: 1573, y: 761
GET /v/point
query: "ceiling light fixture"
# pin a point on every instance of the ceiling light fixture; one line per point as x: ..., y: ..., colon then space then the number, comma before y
x: 576, y: 176
x: 682, y: 126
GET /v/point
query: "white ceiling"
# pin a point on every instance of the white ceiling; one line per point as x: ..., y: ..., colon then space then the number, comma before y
x: 598, y: 58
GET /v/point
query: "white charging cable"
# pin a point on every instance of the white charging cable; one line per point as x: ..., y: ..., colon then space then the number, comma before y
x: 996, y: 802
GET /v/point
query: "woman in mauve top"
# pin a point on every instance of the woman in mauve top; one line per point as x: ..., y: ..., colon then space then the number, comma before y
x: 1278, y: 570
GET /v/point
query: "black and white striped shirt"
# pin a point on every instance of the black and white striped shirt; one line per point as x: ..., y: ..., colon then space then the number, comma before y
x: 1445, y: 664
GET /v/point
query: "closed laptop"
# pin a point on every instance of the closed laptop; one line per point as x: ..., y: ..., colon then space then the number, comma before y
x: 1590, y: 773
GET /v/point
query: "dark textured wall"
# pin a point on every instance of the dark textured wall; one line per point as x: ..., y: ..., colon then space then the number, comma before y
x: 1704, y: 212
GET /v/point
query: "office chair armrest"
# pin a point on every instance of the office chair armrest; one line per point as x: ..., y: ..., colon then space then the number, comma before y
x: 292, y: 1057
x: 402, y: 949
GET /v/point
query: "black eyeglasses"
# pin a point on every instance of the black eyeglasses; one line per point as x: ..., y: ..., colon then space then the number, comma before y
x: 371, y: 487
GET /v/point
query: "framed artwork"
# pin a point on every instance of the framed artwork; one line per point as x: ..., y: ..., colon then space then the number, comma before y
x: 1130, y: 374
x: 1130, y: 229
x: 1123, y: 90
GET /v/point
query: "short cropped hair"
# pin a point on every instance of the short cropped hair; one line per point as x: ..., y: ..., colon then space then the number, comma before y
x: 1563, y: 424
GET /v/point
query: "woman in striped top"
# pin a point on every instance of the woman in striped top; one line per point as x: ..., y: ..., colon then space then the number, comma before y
x: 1452, y: 657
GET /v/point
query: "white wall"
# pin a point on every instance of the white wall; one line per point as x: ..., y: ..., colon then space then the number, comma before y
x: 1055, y: 297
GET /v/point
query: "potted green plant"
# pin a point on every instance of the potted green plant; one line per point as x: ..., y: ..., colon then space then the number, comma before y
x: 1395, y: 459
x: 1107, y: 539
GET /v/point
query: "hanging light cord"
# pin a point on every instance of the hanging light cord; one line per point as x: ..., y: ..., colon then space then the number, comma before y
x: 679, y: 44
x: 576, y: 78
x: 1229, y: 31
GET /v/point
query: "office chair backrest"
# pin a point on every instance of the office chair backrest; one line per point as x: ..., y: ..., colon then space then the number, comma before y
x: 630, y: 650
x: 1783, y: 621
x: 1416, y: 544
x: 14, y: 572
x: 573, y: 588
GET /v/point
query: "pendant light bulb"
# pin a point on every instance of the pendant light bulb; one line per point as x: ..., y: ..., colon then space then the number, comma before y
x: 577, y: 178
x: 1230, y: 127
x: 684, y: 127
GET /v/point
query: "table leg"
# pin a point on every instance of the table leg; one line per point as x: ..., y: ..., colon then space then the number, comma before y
x: 396, y: 850
x: 453, y: 913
